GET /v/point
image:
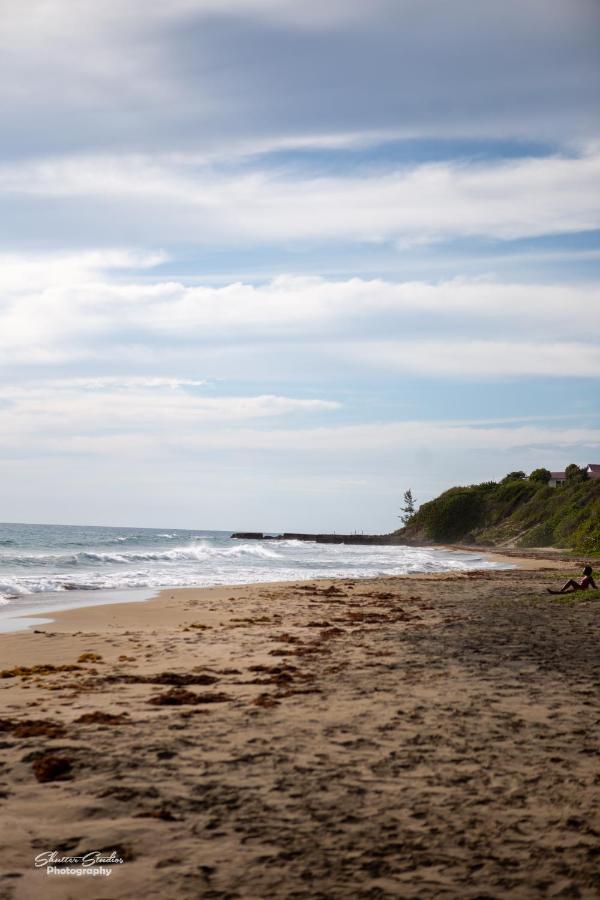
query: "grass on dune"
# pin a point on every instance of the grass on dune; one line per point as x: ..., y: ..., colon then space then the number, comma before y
x: 575, y: 597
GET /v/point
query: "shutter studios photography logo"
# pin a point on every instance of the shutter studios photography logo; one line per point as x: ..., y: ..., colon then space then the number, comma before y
x: 97, y: 863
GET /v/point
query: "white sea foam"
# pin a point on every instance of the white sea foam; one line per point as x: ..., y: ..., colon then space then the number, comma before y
x: 194, y: 552
x: 191, y: 552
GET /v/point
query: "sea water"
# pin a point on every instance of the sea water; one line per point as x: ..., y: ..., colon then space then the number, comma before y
x: 50, y: 567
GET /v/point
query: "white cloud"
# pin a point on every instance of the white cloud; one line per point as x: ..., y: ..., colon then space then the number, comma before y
x: 60, y: 311
x: 164, y: 418
x: 506, y: 200
x: 483, y: 359
x: 71, y: 421
x: 158, y: 416
x: 70, y: 410
x: 385, y: 438
x: 120, y: 383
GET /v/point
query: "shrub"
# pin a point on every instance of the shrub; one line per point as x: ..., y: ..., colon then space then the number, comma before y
x: 567, y: 525
x: 487, y: 486
x: 510, y: 494
x: 452, y: 515
x: 540, y: 536
x: 542, y: 475
x: 586, y: 538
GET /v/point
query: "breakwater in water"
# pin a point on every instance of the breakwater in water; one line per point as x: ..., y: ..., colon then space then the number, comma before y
x: 374, y: 539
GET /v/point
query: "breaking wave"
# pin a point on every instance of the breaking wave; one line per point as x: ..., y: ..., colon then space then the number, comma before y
x: 193, y: 552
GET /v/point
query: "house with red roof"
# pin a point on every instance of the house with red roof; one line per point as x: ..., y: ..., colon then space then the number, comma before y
x: 592, y: 470
x: 557, y: 478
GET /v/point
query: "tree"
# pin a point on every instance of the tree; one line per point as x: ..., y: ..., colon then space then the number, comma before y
x: 574, y: 473
x: 409, y: 507
x: 541, y: 475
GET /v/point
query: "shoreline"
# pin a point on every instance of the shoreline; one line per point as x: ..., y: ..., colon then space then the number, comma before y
x: 47, y: 616
x: 208, y: 740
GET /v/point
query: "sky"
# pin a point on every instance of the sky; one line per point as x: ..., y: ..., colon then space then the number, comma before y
x: 266, y: 264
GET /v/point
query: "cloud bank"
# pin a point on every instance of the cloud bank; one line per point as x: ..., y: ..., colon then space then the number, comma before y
x: 194, y: 73
x: 171, y: 200
x: 54, y: 311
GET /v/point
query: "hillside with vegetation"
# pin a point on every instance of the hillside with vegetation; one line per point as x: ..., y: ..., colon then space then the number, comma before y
x: 519, y: 511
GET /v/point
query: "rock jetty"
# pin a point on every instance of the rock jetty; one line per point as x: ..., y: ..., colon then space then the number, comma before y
x: 319, y: 538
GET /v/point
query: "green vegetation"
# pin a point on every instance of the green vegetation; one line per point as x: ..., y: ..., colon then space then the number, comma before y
x: 543, y: 475
x: 574, y: 473
x: 576, y: 597
x: 517, y: 511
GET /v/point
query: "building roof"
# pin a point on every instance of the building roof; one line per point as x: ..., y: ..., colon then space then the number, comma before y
x: 557, y: 475
x: 594, y: 467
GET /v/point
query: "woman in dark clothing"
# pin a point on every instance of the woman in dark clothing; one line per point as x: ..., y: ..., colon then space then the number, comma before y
x: 572, y: 585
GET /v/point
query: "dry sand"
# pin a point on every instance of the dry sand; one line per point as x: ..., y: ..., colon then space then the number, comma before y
x: 411, y: 737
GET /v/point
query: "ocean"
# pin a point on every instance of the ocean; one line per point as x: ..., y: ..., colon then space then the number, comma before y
x: 50, y: 567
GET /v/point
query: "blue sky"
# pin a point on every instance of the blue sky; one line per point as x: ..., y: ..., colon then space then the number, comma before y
x: 267, y: 264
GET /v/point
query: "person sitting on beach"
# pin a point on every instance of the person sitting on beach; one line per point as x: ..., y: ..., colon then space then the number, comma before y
x: 572, y: 585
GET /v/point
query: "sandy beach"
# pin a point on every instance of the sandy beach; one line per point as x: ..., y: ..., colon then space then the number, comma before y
x: 418, y: 737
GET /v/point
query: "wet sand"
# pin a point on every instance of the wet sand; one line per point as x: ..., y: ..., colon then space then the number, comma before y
x: 418, y: 737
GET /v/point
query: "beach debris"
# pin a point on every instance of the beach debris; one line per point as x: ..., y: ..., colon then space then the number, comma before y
x: 90, y: 657
x: 255, y: 620
x: 121, y: 792
x: 330, y: 633
x: 287, y: 638
x: 282, y: 675
x: 179, y: 696
x: 266, y: 701
x: 163, y: 812
x: 314, y: 589
x: 174, y: 697
x: 125, y: 852
x: 281, y: 678
x: 273, y: 670
x: 177, y: 679
x: 50, y: 767
x: 103, y: 718
x: 165, y: 753
x: 33, y: 728
x: 44, y: 669
x: 291, y: 692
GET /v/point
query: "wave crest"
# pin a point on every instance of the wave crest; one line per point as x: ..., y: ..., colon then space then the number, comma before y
x: 193, y: 552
